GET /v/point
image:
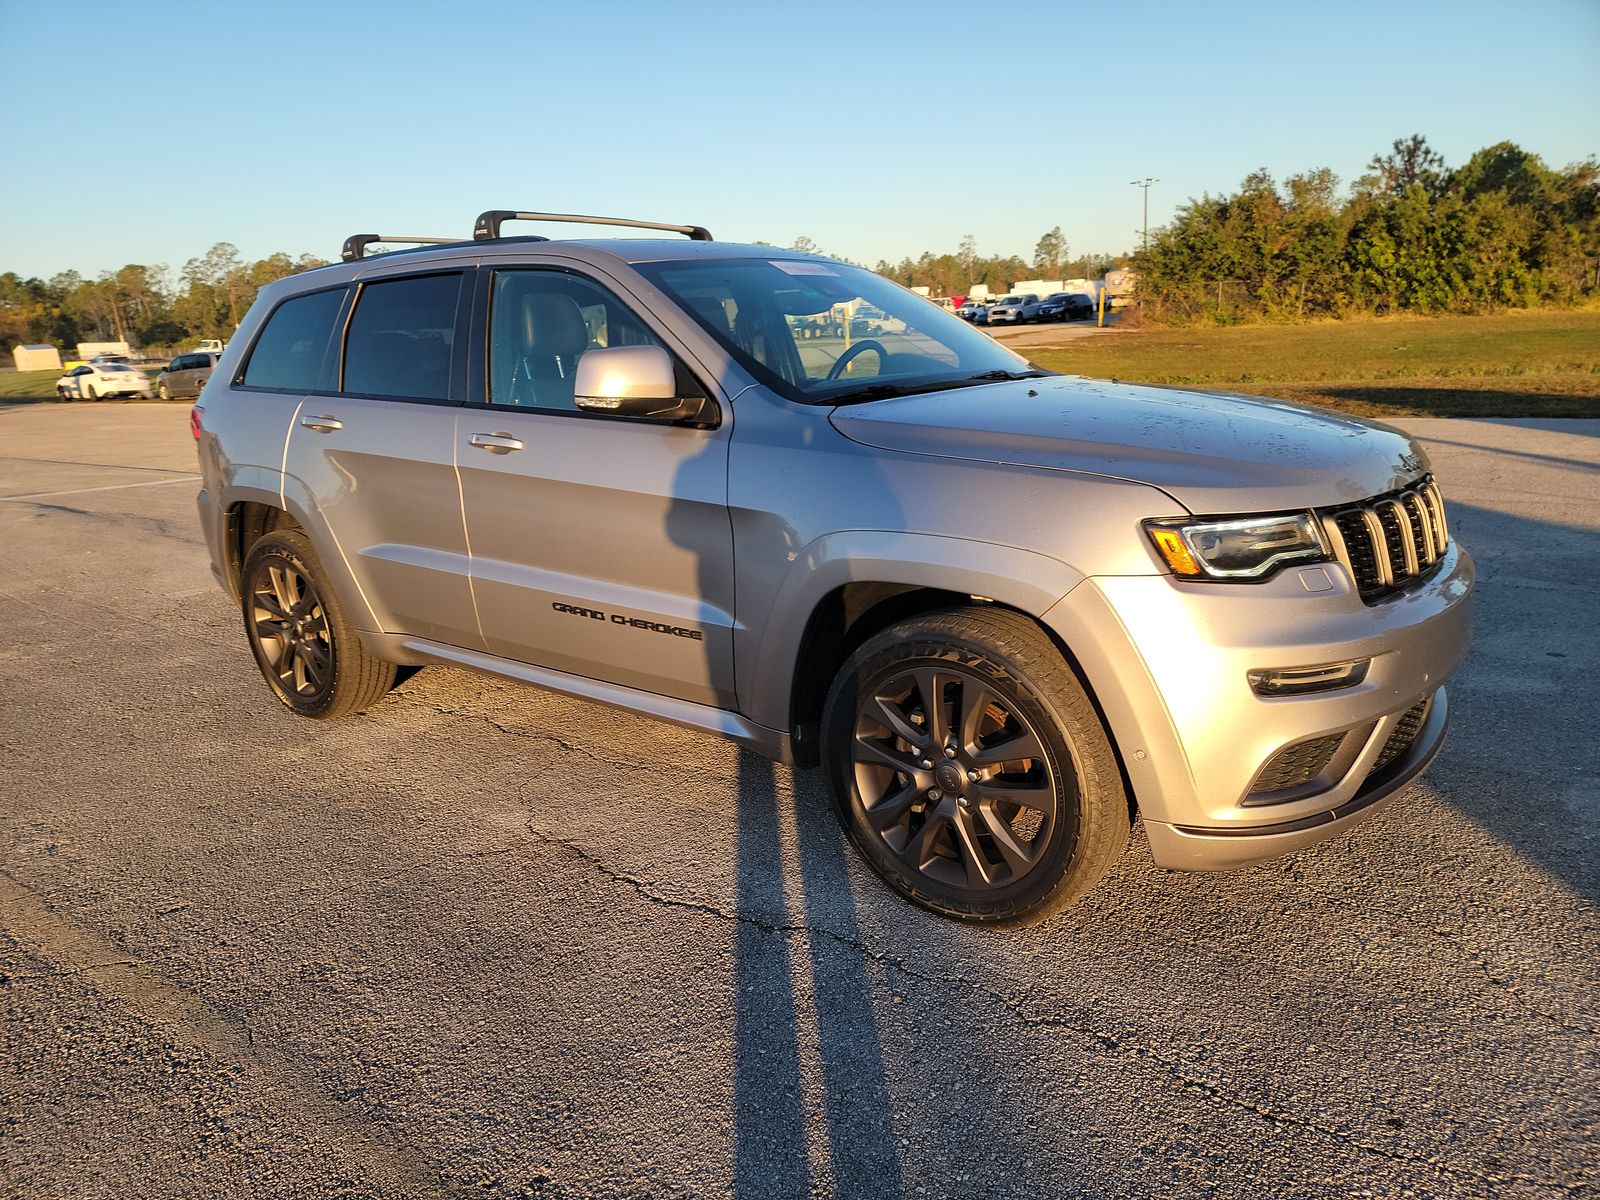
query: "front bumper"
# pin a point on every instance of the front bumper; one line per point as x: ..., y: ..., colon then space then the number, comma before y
x: 1169, y: 662
x: 1200, y: 848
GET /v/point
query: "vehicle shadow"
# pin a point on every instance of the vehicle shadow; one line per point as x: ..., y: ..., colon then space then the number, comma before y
x: 1476, y: 403
x: 1525, y: 701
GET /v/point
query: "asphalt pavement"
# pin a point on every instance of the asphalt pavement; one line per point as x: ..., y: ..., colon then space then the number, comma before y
x: 487, y: 941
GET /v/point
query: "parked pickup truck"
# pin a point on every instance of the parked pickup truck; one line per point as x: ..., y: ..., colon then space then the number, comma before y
x: 1014, y: 310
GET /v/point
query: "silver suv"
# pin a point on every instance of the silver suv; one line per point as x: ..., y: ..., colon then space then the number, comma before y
x: 1005, y: 610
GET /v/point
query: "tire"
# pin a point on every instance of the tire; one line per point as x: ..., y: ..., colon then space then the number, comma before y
x: 61, y: 394
x: 161, y: 390
x: 980, y: 838
x: 91, y: 393
x: 307, y: 650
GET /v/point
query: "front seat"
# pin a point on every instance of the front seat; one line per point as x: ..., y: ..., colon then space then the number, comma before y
x: 554, y: 337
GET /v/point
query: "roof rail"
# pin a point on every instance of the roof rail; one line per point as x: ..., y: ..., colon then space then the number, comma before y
x: 487, y: 226
x: 355, y: 246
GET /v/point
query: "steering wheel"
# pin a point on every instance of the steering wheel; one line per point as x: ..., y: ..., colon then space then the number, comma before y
x: 849, y: 355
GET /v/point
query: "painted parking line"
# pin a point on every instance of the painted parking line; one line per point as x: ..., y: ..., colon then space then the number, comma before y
x: 110, y: 487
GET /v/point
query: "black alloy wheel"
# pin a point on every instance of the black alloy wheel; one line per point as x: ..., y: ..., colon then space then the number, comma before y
x: 310, y: 655
x: 953, y: 777
x: 970, y: 767
x: 289, y: 630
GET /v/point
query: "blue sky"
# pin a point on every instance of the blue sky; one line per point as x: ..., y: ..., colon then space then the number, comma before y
x: 145, y: 134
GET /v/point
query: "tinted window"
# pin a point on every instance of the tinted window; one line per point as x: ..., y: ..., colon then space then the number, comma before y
x: 401, y: 337
x: 540, y: 324
x: 182, y: 363
x: 290, y: 351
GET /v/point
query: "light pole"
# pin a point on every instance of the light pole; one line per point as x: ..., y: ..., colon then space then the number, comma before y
x: 1145, y: 184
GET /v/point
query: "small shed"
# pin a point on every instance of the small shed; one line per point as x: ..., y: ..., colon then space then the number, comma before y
x: 37, y: 358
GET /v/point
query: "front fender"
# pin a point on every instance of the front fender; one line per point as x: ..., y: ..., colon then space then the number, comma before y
x: 1021, y: 579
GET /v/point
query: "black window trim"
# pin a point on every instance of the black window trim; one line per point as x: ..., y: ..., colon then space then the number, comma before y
x: 458, y: 382
x: 477, y: 396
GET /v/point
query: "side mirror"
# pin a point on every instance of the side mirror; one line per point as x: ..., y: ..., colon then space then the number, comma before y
x: 632, y: 381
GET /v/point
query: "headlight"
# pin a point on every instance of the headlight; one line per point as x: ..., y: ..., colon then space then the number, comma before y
x: 1248, y: 548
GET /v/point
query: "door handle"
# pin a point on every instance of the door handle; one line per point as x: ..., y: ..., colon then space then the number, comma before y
x: 322, y: 424
x: 496, y: 443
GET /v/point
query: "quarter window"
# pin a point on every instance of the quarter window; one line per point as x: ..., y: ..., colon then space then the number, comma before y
x: 402, y: 337
x: 540, y: 324
x: 290, y: 352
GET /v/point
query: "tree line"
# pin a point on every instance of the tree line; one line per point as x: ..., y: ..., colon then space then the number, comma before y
x: 1503, y: 230
x: 1411, y: 235
x: 956, y: 273
x: 140, y: 305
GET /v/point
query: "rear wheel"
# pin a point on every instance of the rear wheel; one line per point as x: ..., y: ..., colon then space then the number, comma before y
x: 970, y: 769
x: 306, y: 648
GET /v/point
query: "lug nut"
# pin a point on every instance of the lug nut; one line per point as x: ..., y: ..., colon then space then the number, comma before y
x: 972, y: 775
x: 964, y: 802
x: 949, y: 751
x: 935, y: 795
x: 927, y: 764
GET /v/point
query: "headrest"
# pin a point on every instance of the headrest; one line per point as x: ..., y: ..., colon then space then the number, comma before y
x: 553, y: 326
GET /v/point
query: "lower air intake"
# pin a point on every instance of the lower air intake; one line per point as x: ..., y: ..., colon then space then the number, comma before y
x: 1295, y: 766
x: 1404, y: 734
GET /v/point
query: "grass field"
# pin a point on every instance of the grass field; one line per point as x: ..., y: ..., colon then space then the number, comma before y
x: 1525, y: 364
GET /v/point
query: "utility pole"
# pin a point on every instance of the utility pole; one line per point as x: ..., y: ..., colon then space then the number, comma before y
x: 1145, y: 184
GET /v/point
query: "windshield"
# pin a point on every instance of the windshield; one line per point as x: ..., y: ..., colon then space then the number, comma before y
x: 826, y: 333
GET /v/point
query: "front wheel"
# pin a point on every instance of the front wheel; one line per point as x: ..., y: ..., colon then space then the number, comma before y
x: 970, y: 769
x: 92, y: 393
x: 161, y: 391
x: 306, y: 648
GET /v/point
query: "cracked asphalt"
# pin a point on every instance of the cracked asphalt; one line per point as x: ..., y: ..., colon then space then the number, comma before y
x: 487, y: 941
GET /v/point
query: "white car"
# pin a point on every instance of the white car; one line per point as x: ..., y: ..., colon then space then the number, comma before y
x: 97, y: 380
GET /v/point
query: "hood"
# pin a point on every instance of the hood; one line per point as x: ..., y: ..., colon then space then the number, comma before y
x: 1215, y: 453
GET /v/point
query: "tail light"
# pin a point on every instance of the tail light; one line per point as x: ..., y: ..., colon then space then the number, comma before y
x: 195, y: 414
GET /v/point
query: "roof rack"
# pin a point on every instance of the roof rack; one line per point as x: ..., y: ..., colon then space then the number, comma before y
x: 355, y: 246
x: 487, y: 226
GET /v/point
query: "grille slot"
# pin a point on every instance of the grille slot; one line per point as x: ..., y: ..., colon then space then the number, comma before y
x: 1403, y: 735
x: 1297, y: 765
x: 1391, y: 541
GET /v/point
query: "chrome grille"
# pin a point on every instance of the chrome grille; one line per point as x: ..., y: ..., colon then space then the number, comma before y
x: 1390, y: 541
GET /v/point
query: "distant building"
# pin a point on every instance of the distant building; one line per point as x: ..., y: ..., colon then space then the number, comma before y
x: 87, y: 350
x: 37, y: 358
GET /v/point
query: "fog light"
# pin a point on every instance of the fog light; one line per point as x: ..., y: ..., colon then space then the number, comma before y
x: 1295, y: 681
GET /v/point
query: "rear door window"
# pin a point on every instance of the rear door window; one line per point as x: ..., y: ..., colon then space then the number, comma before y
x: 402, y: 338
x: 291, y: 353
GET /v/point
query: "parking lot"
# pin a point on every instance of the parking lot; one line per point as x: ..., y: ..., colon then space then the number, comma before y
x: 489, y: 941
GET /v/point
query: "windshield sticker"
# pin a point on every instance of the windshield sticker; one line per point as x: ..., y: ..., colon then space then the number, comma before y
x: 790, y: 267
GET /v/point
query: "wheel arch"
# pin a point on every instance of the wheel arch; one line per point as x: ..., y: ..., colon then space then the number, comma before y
x: 245, y: 520
x: 845, y: 587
